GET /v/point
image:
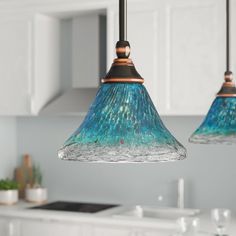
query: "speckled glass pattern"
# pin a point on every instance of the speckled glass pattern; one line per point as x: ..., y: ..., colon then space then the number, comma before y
x: 219, y: 125
x: 122, y: 125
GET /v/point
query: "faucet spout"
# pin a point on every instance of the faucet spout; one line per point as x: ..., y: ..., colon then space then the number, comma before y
x: 180, y: 202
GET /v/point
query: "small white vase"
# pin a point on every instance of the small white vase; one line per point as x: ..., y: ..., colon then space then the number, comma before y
x: 9, y: 197
x: 36, y: 195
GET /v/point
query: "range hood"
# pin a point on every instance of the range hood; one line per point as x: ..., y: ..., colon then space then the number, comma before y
x: 80, y: 66
x: 76, y: 101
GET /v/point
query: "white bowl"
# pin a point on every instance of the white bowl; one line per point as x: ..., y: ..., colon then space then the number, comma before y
x: 36, y: 195
x: 9, y: 197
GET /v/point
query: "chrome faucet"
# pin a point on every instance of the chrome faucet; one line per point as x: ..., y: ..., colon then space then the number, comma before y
x: 180, y: 203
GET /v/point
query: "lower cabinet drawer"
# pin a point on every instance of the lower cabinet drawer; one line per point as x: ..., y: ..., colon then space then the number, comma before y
x: 41, y: 228
x: 111, y: 231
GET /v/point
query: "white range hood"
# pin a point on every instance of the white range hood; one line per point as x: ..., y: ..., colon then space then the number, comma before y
x: 74, y: 102
x: 80, y: 66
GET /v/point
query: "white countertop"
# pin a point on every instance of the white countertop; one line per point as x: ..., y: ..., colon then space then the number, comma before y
x: 20, y: 210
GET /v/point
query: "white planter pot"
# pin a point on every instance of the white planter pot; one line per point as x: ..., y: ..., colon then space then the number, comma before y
x: 8, y: 197
x: 36, y: 195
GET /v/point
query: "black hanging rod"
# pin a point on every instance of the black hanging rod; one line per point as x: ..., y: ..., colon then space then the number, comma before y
x: 123, y: 20
x: 228, y: 35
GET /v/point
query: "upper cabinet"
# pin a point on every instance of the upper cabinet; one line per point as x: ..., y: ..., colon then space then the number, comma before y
x: 43, y: 55
x: 178, y: 46
x: 28, y: 74
x: 15, y: 65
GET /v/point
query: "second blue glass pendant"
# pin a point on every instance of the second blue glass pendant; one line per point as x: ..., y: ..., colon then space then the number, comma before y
x: 219, y: 126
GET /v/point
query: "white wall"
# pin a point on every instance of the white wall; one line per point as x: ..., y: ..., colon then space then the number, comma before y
x: 8, y: 153
x: 209, y: 169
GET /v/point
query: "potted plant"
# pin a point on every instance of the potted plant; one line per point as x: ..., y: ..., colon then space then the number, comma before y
x: 35, y: 192
x: 8, y: 192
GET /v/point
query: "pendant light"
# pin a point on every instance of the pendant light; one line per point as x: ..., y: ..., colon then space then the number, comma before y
x: 122, y: 124
x: 219, y: 125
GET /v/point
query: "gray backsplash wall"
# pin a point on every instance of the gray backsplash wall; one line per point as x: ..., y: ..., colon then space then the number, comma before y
x: 7, y: 146
x: 209, y: 170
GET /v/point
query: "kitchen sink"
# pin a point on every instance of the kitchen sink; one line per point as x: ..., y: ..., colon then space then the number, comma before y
x: 157, y: 213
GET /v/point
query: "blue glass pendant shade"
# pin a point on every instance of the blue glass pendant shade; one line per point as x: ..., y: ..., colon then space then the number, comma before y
x: 219, y: 125
x: 122, y: 125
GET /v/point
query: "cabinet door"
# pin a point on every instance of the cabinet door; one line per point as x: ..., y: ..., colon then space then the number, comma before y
x: 158, y: 233
x: 153, y: 232
x: 108, y: 231
x: 15, y: 65
x: 4, y: 227
x: 178, y: 47
x: 194, y: 55
x: 122, y: 231
x: 42, y: 228
x: 9, y: 227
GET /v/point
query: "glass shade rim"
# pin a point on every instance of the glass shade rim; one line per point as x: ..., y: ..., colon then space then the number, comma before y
x: 162, y: 154
x: 213, y: 138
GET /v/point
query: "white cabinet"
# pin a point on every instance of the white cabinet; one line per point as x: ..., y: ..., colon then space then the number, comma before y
x: 15, y: 65
x: 27, y: 74
x: 155, y: 233
x: 195, y: 55
x: 9, y: 227
x: 104, y: 230
x: 21, y: 226
x: 45, y: 79
x: 48, y: 228
x: 4, y: 228
x: 178, y: 46
x: 43, y: 54
x: 119, y: 230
